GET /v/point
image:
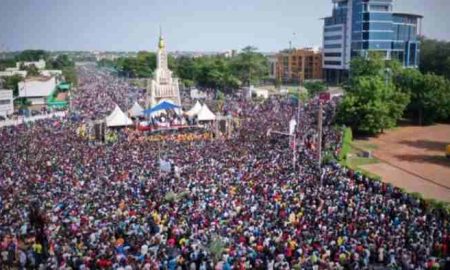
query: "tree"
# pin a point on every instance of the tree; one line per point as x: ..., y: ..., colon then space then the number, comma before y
x: 430, y: 95
x: 108, y: 63
x: 22, y: 102
x: 314, y: 88
x: 32, y: 70
x: 250, y: 66
x: 366, y: 67
x: 11, y: 82
x: 185, y: 68
x: 214, y: 72
x: 60, y: 62
x: 435, y: 57
x: 7, y: 63
x: 434, y: 98
x: 32, y: 55
x: 66, y: 65
x: 220, y: 95
x: 277, y: 83
x: 141, y: 66
x: 70, y: 75
x: 372, y: 102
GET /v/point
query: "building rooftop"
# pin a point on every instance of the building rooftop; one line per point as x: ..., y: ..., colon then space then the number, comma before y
x: 302, y: 50
x: 407, y: 14
x: 38, y: 78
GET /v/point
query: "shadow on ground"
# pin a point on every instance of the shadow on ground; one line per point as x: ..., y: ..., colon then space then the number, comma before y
x: 437, y: 160
x: 426, y: 144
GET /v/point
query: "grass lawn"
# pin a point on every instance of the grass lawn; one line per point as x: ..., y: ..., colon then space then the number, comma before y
x: 355, y: 162
x: 364, y: 145
x: 353, y: 152
x: 355, y: 159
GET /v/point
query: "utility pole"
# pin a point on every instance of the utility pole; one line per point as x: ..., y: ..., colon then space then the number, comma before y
x: 216, y: 126
x: 298, y: 123
x: 319, y: 123
x: 294, y: 135
x: 290, y: 42
x: 159, y: 157
x: 294, y: 157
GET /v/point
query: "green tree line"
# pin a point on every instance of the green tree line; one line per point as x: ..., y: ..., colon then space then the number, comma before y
x: 435, y: 57
x: 218, y: 72
x: 379, y: 93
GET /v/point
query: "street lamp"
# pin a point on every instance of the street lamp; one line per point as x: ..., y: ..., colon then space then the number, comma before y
x: 387, y: 75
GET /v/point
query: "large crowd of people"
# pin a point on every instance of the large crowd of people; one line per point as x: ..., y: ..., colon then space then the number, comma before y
x: 238, y: 203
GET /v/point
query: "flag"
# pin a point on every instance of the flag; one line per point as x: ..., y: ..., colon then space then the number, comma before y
x: 292, y: 125
x: 293, y: 143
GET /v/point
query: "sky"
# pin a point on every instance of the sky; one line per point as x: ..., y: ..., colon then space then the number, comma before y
x: 188, y: 25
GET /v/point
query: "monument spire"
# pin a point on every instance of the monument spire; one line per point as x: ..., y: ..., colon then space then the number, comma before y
x: 164, y: 87
x: 161, y: 39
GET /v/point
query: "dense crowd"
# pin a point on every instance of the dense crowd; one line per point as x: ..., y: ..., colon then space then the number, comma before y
x: 100, y: 93
x: 237, y: 203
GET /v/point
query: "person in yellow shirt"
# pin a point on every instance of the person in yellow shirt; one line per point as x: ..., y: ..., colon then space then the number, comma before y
x: 340, y: 240
x: 156, y: 217
x: 292, y: 244
x: 183, y: 241
x: 37, y: 247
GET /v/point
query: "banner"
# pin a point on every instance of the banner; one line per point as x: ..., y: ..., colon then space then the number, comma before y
x: 165, y: 166
x: 180, y: 137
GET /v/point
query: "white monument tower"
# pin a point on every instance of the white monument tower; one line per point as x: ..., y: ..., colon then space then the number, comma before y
x: 163, y: 86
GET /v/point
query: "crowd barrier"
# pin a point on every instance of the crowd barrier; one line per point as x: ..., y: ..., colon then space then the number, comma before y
x: 21, y: 120
x: 179, y: 137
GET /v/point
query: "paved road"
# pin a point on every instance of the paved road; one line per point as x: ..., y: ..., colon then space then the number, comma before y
x: 410, y: 182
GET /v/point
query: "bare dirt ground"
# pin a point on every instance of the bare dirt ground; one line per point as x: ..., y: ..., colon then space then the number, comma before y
x: 61, y: 96
x: 414, y: 158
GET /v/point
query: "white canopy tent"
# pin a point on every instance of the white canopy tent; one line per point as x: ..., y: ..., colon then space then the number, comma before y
x: 205, y: 114
x: 194, y: 110
x: 136, y: 110
x: 118, y: 118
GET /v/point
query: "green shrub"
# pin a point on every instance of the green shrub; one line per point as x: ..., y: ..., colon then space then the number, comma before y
x: 327, y: 158
x: 182, y: 195
x: 170, y: 197
x: 220, y: 96
x: 417, y: 195
x: 216, y: 247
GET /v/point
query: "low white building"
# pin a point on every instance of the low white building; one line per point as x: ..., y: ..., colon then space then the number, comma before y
x: 262, y: 93
x: 248, y: 92
x: 51, y: 72
x: 6, y: 102
x: 38, y: 64
x: 197, y: 94
x: 37, y: 89
x: 9, y: 73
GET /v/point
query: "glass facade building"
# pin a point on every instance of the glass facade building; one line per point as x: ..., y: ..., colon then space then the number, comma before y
x: 360, y: 27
